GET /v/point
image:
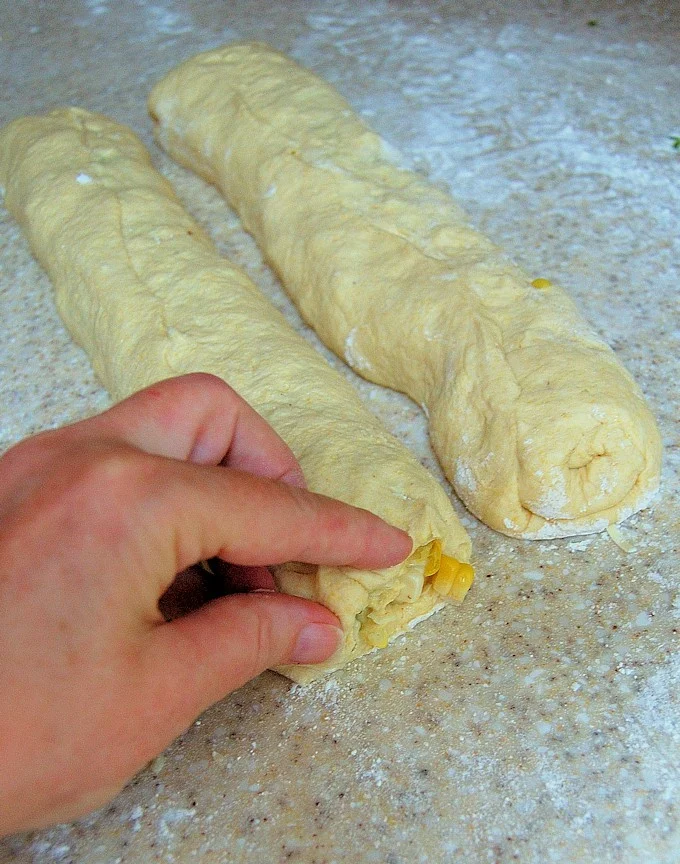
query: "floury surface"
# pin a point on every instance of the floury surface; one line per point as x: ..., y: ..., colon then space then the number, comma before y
x: 538, y: 723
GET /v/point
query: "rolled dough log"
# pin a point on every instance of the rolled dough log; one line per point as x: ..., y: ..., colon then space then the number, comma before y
x: 539, y: 428
x: 143, y: 290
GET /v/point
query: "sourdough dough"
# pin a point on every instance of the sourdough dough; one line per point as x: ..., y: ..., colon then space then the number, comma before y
x: 143, y: 290
x: 539, y: 428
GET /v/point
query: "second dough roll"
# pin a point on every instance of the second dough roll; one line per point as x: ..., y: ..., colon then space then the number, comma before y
x: 540, y: 429
x: 142, y: 288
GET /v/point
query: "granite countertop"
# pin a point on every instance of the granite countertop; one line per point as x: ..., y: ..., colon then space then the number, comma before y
x: 537, y: 723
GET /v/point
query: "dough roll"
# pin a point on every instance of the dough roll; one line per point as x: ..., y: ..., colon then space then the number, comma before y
x: 538, y: 427
x: 142, y: 288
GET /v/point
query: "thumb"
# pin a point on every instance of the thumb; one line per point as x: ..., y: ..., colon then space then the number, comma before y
x: 202, y: 657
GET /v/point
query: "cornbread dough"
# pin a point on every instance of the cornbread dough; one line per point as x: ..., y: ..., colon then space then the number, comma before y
x: 539, y: 428
x: 143, y: 290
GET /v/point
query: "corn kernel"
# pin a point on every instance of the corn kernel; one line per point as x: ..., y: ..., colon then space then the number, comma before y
x: 453, y: 579
x: 378, y: 637
x: 434, y: 558
x: 542, y: 283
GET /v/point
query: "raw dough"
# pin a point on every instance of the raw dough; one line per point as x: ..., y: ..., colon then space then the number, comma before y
x: 143, y: 290
x: 539, y: 428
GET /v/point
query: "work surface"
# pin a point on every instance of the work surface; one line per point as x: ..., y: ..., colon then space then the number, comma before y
x: 539, y: 721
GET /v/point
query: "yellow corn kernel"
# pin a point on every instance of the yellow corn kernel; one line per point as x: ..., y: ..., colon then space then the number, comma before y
x: 453, y: 579
x: 542, y: 283
x: 378, y: 637
x: 434, y: 557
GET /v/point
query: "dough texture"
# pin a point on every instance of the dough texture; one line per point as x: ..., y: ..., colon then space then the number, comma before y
x: 143, y: 290
x: 537, y: 425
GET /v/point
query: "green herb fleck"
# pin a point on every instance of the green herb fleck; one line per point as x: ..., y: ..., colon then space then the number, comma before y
x: 593, y: 23
x: 675, y: 142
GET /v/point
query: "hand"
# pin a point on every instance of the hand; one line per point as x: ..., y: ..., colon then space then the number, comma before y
x: 96, y: 519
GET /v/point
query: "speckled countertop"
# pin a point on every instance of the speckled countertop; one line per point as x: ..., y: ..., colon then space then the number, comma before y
x: 539, y: 722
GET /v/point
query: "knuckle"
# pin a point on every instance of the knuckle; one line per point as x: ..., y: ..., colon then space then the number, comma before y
x: 29, y: 468
x: 207, y: 379
x: 261, y: 645
x: 207, y: 383
x: 307, y: 530
x: 93, y: 493
x: 307, y: 504
x: 98, y: 488
x: 114, y: 471
x: 29, y: 453
x: 174, y: 401
x: 328, y: 528
x: 333, y: 525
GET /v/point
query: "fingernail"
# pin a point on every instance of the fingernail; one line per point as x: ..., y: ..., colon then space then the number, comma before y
x: 316, y: 642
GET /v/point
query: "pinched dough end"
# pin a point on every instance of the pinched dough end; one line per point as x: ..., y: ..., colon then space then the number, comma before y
x: 561, y: 465
x: 606, y: 476
x: 374, y: 607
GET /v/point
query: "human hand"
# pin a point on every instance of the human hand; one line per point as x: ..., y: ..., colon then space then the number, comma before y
x: 96, y: 519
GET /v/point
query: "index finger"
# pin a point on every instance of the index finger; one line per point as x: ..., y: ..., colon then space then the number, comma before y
x: 204, y: 512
